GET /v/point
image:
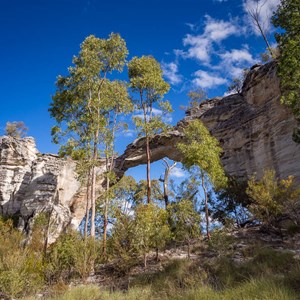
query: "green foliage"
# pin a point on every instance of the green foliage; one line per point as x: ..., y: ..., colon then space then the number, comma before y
x: 202, y: 150
x: 76, y: 106
x: 265, y: 263
x: 232, y: 203
x: 86, y: 107
x: 21, y: 269
x: 287, y: 17
x: 270, y: 54
x: 145, y: 75
x: 196, y: 96
x: 140, y: 194
x: 16, y: 129
x: 221, y: 241
x: 71, y: 255
x: 177, y: 276
x: 146, y: 80
x: 185, y: 220
x: 122, y: 242
x: 151, y: 228
x: 273, y: 198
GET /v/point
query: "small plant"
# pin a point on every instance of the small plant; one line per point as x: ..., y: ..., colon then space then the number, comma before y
x: 21, y: 269
x: 221, y: 241
x: 16, y: 129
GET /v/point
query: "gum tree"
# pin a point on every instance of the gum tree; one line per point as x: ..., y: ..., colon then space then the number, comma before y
x: 118, y: 102
x: 80, y: 104
x: 201, y: 152
x: 145, y: 75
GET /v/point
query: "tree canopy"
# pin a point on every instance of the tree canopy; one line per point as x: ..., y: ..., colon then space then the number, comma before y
x: 287, y: 17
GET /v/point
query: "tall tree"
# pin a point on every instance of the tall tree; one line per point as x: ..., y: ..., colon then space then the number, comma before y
x: 287, y: 17
x: 201, y: 150
x: 80, y: 106
x: 145, y: 75
x: 254, y: 9
x: 118, y: 101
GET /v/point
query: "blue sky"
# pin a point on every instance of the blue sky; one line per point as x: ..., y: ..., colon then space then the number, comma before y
x: 199, y: 44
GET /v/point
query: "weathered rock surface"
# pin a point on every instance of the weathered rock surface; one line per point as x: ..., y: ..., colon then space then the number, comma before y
x: 31, y: 183
x: 254, y: 129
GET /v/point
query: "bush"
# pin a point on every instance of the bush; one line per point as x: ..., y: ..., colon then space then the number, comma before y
x: 21, y: 269
x: 220, y: 241
x: 71, y: 256
x: 274, y: 199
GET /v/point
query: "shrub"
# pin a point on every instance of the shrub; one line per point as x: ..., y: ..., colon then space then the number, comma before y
x: 220, y: 241
x: 273, y: 199
x: 71, y: 255
x: 21, y: 269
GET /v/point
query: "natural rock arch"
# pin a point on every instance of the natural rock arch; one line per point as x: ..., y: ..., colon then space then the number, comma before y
x: 254, y: 130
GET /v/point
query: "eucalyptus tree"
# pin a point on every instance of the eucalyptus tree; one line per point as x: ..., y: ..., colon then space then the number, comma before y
x: 145, y: 75
x: 118, y: 102
x: 80, y: 104
x: 202, y: 151
x: 287, y: 17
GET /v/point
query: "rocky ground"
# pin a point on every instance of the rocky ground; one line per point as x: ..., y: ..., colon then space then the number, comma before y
x: 239, y: 245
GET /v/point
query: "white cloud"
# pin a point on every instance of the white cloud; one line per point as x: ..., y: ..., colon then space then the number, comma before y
x: 156, y: 112
x: 264, y: 10
x: 177, y: 172
x: 228, y: 93
x: 218, y: 30
x: 220, y: 0
x: 170, y: 71
x: 235, y: 61
x: 237, y: 56
x: 129, y: 133
x: 207, y: 80
x: 200, y: 47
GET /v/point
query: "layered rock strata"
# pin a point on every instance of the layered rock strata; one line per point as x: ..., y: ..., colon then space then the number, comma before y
x: 254, y: 130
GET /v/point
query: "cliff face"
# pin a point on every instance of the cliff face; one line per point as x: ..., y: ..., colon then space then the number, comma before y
x: 254, y: 129
x: 32, y: 183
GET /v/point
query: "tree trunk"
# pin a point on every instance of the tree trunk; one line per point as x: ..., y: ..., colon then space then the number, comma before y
x: 145, y: 260
x: 148, y: 171
x: 189, y: 249
x: 265, y: 39
x: 166, y: 190
x: 87, y: 209
x: 105, y: 214
x: 93, y: 186
x: 206, y: 206
x: 165, y: 181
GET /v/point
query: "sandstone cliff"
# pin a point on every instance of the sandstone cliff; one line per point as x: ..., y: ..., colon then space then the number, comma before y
x: 254, y: 129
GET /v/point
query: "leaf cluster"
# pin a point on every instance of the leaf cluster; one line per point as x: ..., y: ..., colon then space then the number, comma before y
x: 287, y: 17
x: 202, y: 150
x: 273, y: 198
